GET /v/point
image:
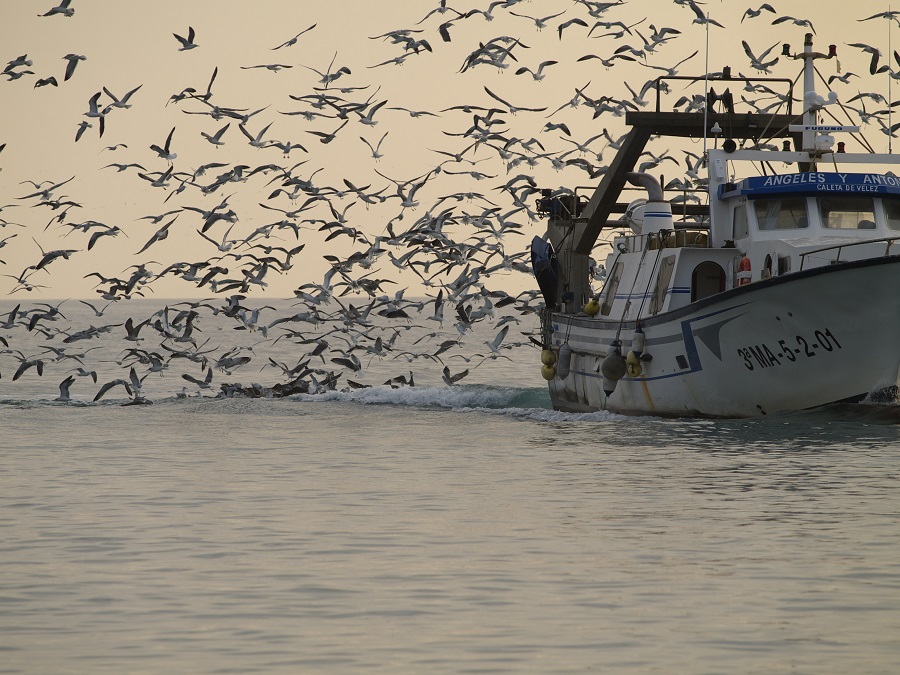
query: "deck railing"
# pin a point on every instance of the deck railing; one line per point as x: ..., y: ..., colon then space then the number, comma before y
x: 887, y: 241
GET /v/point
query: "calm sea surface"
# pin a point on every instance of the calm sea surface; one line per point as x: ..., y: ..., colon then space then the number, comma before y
x: 437, y: 529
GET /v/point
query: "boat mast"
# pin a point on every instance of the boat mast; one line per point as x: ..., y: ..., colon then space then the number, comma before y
x: 812, y: 102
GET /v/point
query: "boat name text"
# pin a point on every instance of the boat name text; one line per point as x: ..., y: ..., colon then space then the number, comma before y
x: 788, y: 350
x: 812, y: 182
x: 858, y: 180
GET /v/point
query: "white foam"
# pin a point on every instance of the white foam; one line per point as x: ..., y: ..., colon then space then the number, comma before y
x: 443, y: 397
x: 545, y: 415
x: 504, y: 401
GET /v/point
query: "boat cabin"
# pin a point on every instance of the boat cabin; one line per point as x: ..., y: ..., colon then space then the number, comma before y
x: 796, y: 221
x: 761, y: 227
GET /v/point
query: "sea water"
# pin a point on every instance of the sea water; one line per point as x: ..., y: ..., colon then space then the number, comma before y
x: 435, y: 529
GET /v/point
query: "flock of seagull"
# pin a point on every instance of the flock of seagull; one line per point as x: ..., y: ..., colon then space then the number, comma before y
x: 459, y: 246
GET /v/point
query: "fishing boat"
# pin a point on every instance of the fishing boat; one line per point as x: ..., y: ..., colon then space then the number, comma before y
x: 779, y: 291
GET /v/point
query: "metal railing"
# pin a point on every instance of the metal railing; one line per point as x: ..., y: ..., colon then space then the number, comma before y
x: 680, y: 237
x: 887, y: 241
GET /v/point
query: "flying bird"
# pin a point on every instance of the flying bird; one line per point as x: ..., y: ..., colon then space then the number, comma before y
x: 512, y: 109
x: 64, y: 396
x: 109, y: 385
x: 165, y: 151
x: 121, y: 102
x: 876, y: 54
x: 256, y: 141
x: 376, y: 151
x: 216, y: 138
x: 758, y: 62
x: 25, y: 364
x: 539, y: 22
x: 449, y: 379
x: 72, y: 61
x: 94, y: 111
x: 538, y: 74
x: 797, y: 22
x: 571, y: 22
x: 753, y: 13
x: 293, y: 40
x: 62, y: 8
x: 202, y: 384
x: 186, y: 43
x: 701, y: 17
x: 159, y: 235
x: 19, y: 61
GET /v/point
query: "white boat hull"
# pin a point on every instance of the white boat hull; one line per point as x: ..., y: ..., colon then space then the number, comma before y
x: 789, y: 343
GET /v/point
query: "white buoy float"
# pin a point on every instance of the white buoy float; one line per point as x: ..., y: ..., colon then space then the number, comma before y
x: 564, y: 361
x: 613, y: 367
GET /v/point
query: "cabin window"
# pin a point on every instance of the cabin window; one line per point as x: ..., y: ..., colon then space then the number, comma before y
x: 788, y: 213
x: 662, y: 284
x: 741, y: 228
x: 612, y: 284
x: 892, y: 213
x: 848, y: 213
x: 708, y: 279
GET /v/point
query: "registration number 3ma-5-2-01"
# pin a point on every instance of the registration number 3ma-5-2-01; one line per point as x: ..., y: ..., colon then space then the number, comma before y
x: 789, y: 350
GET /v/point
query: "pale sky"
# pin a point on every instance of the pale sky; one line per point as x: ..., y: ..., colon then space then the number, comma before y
x: 127, y: 44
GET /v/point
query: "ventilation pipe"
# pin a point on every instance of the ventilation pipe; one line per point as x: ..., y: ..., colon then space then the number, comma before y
x: 657, y: 212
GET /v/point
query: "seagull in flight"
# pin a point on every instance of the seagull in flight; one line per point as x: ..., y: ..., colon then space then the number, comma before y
x: 187, y: 43
x: 376, y: 151
x: 876, y: 54
x: 62, y: 8
x: 538, y: 74
x: 256, y: 141
x: 121, y: 102
x: 25, y: 364
x: 19, y: 61
x: 113, y: 383
x: 274, y: 67
x: 164, y: 152
x: 72, y: 60
x: 494, y: 345
x: 159, y: 235
x: 797, y: 22
x: 202, y: 384
x: 701, y: 16
x: 293, y: 40
x: 94, y: 111
x: 64, y: 396
x: 758, y: 62
x: 512, y: 109
x: 753, y: 13
x: 540, y: 22
x: 449, y: 379
x: 328, y: 77
x: 216, y: 138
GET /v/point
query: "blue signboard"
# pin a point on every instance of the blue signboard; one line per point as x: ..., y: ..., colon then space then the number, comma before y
x: 815, y: 182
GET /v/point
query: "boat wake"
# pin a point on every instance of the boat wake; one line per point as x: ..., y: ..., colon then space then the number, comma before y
x: 521, y: 402
x: 524, y: 402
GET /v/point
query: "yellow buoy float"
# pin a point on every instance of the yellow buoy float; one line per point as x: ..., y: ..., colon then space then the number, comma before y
x: 633, y: 364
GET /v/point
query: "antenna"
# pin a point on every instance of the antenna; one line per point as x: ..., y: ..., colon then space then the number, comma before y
x: 706, y: 89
